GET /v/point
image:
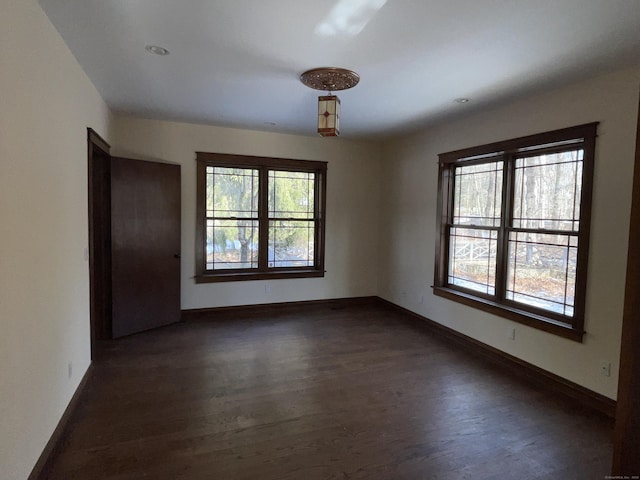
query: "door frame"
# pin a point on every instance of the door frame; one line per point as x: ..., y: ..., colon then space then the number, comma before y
x: 626, y: 442
x: 98, y: 161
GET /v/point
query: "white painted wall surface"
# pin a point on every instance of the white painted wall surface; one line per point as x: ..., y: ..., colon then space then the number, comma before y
x: 381, y: 211
x: 352, y: 246
x: 409, y: 212
x: 46, y: 104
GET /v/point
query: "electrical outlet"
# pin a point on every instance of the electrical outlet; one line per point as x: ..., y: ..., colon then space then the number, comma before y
x: 69, y: 369
x: 267, y: 289
x: 421, y: 299
x: 605, y: 369
x: 511, y: 333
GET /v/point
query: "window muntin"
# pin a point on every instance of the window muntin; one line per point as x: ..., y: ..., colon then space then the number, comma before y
x: 472, y: 261
x: 547, y: 190
x: 513, y: 234
x: 232, y: 218
x: 477, y: 201
x: 541, y: 271
x: 291, y: 218
x: 478, y: 194
x: 259, y: 218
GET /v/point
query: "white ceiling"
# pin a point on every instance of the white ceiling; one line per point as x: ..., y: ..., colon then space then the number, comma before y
x: 237, y: 62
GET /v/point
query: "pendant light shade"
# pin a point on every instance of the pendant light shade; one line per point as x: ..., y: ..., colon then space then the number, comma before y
x: 329, y: 116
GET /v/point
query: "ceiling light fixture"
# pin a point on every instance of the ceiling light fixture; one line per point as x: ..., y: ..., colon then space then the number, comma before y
x: 462, y: 100
x: 156, y: 50
x: 329, y: 79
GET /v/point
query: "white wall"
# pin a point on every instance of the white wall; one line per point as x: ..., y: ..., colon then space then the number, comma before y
x: 352, y: 206
x: 410, y: 173
x: 46, y: 104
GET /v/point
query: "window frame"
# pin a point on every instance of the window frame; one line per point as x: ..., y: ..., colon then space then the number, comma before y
x: 581, y: 136
x: 263, y: 165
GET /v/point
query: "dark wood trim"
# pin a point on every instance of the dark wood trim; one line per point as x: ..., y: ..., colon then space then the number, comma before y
x: 263, y: 220
x: 200, y: 238
x: 42, y: 466
x: 98, y: 141
x: 262, y: 308
x: 99, y: 246
x: 244, y: 161
x: 263, y: 165
x: 578, y: 137
x: 535, y: 375
x: 564, y: 136
x: 512, y: 313
x: 626, y: 459
x: 258, y: 275
x: 320, y: 191
x: 582, y: 269
x: 442, y: 216
x: 506, y: 220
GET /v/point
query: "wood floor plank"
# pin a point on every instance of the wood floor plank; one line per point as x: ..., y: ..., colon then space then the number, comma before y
x: 319, y: 393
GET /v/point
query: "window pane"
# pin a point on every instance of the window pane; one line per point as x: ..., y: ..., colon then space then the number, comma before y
x: 231, y: 244
x: 232, y: 192
x: 541, y: 271
x: 291, y: 194
x: 472, y: 259
x: 291, y: 243
x: 259, y: 217
x: 547, y: 191
x: 478, y: 194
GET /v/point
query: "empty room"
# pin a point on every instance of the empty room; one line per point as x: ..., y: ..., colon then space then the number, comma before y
x: 353, y: 239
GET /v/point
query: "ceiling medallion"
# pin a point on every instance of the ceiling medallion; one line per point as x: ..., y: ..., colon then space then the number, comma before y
x: 329, y: 79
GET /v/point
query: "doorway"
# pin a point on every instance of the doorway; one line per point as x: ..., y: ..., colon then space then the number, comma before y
x: 134, y: 243
x: 99, y: 187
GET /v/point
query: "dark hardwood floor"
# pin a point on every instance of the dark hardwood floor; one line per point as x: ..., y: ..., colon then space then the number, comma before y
x: 319, y: 392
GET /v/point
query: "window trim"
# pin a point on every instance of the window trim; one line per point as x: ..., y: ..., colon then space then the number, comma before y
x: 263, y: 164
x: 582, y: 136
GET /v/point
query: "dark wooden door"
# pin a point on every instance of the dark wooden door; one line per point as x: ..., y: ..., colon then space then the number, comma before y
x: 145, y: 245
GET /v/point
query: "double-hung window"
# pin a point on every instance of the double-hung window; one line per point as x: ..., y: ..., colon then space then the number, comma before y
x: 259, y: 218
x: 514, y: 228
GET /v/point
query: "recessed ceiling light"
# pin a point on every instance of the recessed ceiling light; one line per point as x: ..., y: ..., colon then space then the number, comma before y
x: 156, y: 50
x: 462, y: 100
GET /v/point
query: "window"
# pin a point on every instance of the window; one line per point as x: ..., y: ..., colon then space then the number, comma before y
x: 259, y: 218
x: 514, y: 228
